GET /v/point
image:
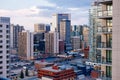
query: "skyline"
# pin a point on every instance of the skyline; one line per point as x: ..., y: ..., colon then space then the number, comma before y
x: 40, y: 11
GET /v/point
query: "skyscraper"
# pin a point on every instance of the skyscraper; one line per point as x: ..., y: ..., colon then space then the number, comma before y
x: 4, y: 46
x: 103, y: 35
x: 65, y: 31
x: 57, y: 19
x: 25, y: 45
x: 15, y: 29
x: 52, y: 42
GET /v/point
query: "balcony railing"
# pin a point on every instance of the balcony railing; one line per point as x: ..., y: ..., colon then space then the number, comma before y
x: 105, y: 14
x: 104, y: 45
x: 104, y: 30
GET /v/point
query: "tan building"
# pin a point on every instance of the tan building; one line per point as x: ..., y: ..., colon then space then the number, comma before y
x: 85, y: 37
x: 39, y: 28
x: 116, y: 41
x: 25, y: 45
x: 52, y: 42
x: 75, y: 42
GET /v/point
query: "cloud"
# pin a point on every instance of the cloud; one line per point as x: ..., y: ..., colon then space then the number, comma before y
x: 43, y: 13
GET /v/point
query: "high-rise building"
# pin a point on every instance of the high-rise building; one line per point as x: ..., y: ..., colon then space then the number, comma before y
x: 39, y: 44
x: 76, y: 30
x: 103, y: 35
x: 57, y: 19
x: 52, y: 42
x: 4, y: 46
x: 42, y: 28
x: 15, y: 29
x: 25, y: 45
x: 116, y: 40
x: 92, y: 31
x: 75, y: 42
x: 65, y: 31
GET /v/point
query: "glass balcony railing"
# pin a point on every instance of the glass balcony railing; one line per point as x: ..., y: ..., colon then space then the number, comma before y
x: 104, y: 45
x: 104, y: 29
x: 105, y: 14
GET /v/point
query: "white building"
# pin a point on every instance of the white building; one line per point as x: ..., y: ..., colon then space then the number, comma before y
x: 25, y: 45
x: 4, y: 46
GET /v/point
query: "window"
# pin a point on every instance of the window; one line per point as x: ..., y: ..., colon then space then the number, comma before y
x: 1, y: 51
x: 1, y: 36
x: 7, y: 31
x: 0, y: 57
x: 7, y: 26
x: 7, y: 51
x: 7, y: 36
x: 1, y: 46
x: 0, y: 25
x: 7, y: 41
x: 0, y: 72
x: 0, y: 31
x: 7, y: 56
x: 7, y: 46
x: 7, y: 61
x: 1, y: 62
x: 1, y: 67
x: 1, y: 41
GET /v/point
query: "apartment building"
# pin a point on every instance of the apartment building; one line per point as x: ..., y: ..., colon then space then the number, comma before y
x: 4, y: 46
x: 25, y: 45
x: 103, y: 39
x: 52, y: 42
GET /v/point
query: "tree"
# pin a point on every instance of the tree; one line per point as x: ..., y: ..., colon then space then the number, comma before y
x: 22, y: 74
x: 26, y: 72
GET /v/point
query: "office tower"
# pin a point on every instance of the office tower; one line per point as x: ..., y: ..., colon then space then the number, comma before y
x: 52, y: 42
x: 75, y: 42
x: 42, y: 28
x: 57, y: 19
x: 15, y: 29
x: 116, y: 41
x: 25, y: 45
x: 4, y: 46
x: 65, y: 31
x: 39, y: 44
x: 103, y: 37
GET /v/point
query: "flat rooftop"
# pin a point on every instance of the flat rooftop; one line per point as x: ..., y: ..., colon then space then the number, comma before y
x: 61, y: 68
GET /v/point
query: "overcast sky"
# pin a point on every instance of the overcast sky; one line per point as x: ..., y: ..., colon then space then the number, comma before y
x: 29, y: 12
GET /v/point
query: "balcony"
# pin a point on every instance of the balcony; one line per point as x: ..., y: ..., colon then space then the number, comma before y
x: 103, y: 45
x: 105, y: 1
x: 105, y: 14
x: 104, y: 30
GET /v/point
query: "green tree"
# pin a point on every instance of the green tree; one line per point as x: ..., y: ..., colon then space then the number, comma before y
x: 22, y: 74
x: 26, y: 72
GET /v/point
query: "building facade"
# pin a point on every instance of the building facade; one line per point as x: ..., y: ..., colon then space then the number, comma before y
x: 103, y: 52
x: 57, y: 19
x: 116, y: 41
x: 75, y: 42
x: 39, y: 44
x: 52, y: 42
x: 25, y: 45
x: 42, y: 28
x: 4, y: 46
x: 15, y: 29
